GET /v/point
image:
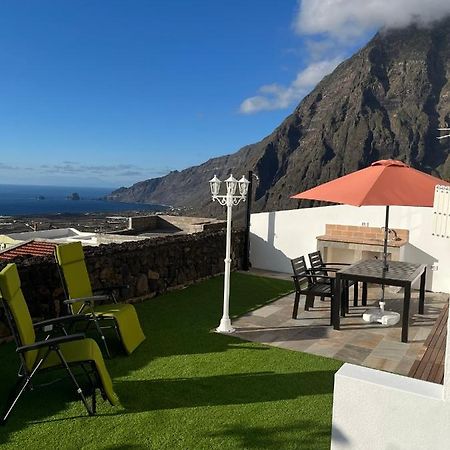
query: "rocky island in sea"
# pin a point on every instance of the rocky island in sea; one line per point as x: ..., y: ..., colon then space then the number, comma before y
x: 73, y: 196
x: 48, y: 207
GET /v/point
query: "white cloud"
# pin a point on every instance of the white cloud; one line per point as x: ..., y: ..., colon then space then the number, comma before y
x: 345, y: 19
x: 275, y: 96
x: 330, y: 28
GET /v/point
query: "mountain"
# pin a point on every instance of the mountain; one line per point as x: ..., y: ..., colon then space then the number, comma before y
x: 386, y: 101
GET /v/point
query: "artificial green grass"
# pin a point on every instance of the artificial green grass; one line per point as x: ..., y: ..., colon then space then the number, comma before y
x: 186, y: 387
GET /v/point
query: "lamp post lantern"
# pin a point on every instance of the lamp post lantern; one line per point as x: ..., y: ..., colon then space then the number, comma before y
x: 229, y: 200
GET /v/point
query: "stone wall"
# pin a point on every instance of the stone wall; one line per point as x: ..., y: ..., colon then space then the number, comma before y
x: 143, y: 223
x: 149, y: 267
x: 140, y: 224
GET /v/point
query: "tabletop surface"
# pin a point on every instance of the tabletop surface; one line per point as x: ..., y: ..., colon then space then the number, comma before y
x: 373, y: 268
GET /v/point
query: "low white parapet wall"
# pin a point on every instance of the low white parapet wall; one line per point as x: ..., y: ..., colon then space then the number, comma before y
x: 378, y: 410
x: 375, y: 410
x: 277, y: 237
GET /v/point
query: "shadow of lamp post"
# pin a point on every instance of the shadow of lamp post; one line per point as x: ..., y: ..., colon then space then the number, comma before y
x: 246, y: 260
x: 229, y: 200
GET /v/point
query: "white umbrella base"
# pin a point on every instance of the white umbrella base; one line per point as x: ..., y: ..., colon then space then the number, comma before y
x: 386, y: 318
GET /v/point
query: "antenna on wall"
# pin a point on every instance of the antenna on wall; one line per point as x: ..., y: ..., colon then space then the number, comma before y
x: 445, y: 135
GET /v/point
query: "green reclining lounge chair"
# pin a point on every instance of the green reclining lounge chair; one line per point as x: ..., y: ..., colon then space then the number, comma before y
x: 81, y: 299
x: 54, y: 352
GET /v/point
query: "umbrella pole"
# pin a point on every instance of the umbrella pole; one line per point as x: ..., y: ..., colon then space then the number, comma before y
x: 385, y: 254
x: 386, y: 237
x: 387, y: 318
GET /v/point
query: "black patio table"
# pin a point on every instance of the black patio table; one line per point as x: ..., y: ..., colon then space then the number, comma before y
x: 399, y: 273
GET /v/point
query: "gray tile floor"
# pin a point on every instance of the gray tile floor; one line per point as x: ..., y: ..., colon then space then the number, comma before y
x: 357, y: 342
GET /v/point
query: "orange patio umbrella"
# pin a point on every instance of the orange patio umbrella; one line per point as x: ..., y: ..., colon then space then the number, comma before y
x: 384, y: 183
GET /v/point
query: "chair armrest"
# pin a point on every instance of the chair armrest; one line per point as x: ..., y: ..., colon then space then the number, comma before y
x: 330, y: 269
x: 309, y: 274
x: 59, y: 321
x: 50, y: 342
x: 316, y: 273
x: 93, y: 299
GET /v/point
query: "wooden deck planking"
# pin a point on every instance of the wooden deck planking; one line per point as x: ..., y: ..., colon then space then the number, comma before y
x: 431, y: 366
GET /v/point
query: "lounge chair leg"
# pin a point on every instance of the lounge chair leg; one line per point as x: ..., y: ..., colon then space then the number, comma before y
x: 71, y: 375
x: 116, y: 329
x: 94, y: 402
x: 21, y: 390
x: 295, y: 310
x: 94, y: 395
x: 94, y: 382
x: 16, y: 398
x: 102, y: 337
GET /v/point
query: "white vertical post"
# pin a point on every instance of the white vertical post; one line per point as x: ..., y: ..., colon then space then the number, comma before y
x: 225, y: 322
x: 228, y: 200
x: 447, y: 365
x: 441, y: 212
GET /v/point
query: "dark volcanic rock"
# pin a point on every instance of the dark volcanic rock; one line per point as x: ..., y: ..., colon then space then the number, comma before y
x: 386, y: 101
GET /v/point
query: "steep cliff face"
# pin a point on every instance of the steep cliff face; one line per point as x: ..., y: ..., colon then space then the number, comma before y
x: 386, y: 101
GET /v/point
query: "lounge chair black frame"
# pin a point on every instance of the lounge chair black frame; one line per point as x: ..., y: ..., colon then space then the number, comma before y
x: 101, y: 295
x: 51, y: 343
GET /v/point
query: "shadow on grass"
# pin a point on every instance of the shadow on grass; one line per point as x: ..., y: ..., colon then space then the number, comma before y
x: 180, y: 323
x: 41, y: 404
x: 177, y: 323
x: 150, y: 395
x: 314, y: 435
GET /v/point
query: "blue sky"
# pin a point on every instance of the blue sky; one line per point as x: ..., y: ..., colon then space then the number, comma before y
x: 107, y: 93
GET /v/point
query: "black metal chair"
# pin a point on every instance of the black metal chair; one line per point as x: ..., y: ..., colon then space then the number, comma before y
x: 324, y: 269
x: 310, y: 283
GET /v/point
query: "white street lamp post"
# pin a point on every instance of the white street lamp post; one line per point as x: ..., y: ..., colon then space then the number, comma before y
x: 229, y: 200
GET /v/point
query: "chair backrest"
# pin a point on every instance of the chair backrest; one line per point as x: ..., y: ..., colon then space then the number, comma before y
x: 300, y: 271
x: 316, y: 262
x: 75, y: 277
x: 17, y: 312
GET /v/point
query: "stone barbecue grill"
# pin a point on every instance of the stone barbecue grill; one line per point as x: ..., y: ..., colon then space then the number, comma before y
x: 349, y: 243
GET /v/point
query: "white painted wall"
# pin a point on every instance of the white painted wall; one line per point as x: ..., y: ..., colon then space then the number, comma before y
x: 56, y: 233
x: 379, y: 410
x: 375, y: 410
x: 277, y: 237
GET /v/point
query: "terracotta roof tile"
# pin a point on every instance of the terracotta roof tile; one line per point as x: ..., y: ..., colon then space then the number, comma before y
x: 31, y: 248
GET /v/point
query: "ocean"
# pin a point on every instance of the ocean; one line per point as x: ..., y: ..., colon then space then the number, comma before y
x: 18, y: 200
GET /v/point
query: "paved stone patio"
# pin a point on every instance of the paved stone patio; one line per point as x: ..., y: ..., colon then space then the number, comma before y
x: 357, y: 342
